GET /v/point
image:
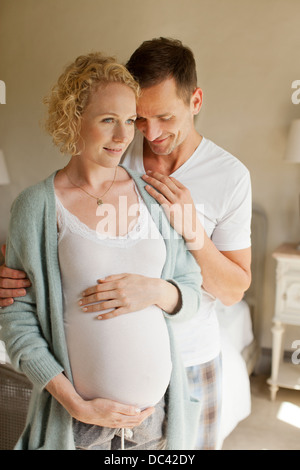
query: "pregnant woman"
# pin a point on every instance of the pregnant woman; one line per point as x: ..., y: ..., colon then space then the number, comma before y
x: 94, y: 220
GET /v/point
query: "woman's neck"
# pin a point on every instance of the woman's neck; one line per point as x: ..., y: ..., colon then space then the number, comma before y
x: 85, y: 173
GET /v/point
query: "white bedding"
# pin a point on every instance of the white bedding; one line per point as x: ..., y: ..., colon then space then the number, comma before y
x: 236, y: 333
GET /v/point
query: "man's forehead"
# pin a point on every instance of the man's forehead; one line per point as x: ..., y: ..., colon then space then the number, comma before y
x: 159, y: 100
x: 156, y: 107
x: 153, y: 112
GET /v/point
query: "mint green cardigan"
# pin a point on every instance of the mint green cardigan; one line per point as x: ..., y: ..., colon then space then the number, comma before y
x: 33, y: 330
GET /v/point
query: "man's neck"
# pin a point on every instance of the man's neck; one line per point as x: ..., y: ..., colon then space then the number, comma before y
x: 168, y: 164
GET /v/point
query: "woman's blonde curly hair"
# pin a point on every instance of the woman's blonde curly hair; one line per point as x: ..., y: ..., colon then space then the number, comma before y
x: 70, y: 96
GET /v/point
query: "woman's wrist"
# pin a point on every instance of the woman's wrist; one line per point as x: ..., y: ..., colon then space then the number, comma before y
x: 64, y: 392
x: 169, y: 297
x: 76, y: 406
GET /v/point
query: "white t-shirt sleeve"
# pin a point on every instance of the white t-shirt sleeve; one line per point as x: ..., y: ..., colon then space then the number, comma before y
x: 233, y: 230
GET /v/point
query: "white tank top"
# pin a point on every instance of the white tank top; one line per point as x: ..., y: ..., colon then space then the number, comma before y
x: 126, y: 358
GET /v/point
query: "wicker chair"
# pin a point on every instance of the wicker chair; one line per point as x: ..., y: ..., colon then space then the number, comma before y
x: 15, y: 391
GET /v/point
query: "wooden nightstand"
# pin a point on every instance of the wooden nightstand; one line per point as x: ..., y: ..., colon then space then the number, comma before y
x: 287, y: 312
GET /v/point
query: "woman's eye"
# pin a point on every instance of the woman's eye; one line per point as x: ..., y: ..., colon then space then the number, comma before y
x: 108, y: 120
x: 130, y: 121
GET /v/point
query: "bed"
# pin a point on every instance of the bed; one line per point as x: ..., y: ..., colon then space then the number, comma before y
x: 239, y: 327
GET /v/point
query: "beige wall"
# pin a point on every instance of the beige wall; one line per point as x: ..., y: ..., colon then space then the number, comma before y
x: 247, y: 54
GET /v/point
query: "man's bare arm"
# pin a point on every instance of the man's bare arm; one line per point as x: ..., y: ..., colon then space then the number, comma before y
x: 13, y: 283
x: 226, y: 275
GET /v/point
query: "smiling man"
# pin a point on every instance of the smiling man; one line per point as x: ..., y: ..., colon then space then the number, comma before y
x: 184, y: 169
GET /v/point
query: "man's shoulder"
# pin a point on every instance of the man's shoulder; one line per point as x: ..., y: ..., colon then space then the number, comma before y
x: 217, y: 155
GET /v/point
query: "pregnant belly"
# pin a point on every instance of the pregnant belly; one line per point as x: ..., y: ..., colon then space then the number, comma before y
x: 126, y: 358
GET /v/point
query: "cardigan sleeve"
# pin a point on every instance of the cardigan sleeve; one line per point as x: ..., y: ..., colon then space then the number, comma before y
x: 25, y: 326
x: 186, y: 276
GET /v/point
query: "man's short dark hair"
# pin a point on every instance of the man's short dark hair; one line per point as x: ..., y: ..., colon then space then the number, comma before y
x: 161, y: 58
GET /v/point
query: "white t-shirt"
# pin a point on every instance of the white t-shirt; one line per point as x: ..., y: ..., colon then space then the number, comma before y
x: 126, y: 358
x: 221, y: 190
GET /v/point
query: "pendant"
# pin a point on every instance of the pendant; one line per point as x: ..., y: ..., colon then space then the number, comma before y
x: 99, y: 202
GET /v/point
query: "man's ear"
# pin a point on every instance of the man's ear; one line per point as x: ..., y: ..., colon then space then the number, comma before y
x: 196, y: 101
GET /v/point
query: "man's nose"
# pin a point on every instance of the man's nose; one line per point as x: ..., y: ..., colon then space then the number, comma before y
x: 150, y: 130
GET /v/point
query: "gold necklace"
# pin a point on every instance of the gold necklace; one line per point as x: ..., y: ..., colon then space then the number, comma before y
x: 98, y: 198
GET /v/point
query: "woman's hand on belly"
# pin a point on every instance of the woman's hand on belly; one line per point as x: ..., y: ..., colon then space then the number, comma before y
x: 126, y: 293
x: 111, y: 414
x: 100, y: 411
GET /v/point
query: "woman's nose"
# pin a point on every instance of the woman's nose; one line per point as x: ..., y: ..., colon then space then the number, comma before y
x: 121, y: 134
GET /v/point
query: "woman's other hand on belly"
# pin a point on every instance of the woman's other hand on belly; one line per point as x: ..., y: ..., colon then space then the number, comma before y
x: 99, y: 411
x: 111, y: 414
x: 126, y: 293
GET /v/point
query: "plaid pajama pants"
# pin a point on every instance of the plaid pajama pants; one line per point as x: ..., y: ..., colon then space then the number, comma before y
x: 205, y: 382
